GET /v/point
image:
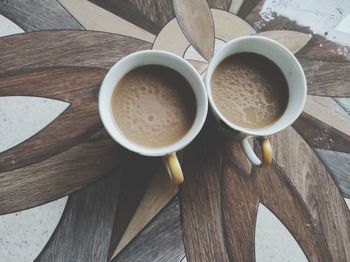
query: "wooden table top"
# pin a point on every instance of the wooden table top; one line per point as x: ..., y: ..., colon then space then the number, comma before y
x: 123, y: 207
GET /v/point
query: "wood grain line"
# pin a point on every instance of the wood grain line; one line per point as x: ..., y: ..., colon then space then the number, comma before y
x: 59, y: 175
x: 37, y: 15
x: 85, y: 228
x: 320, y: 135
x: 77, y: 86
x: 149, y: 15
x: 65, y: 48
x: 86, y: 12
x: 327, y: 78
x: 160, y: 241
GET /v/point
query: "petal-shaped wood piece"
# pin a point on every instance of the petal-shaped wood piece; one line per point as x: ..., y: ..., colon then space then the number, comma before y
x: 328, y: 111
x: 240, y: 194
x: 338, y: 165
x: 316, y: 188
x: 86, y: 225
x: 327, y: 78
x: 246, y: 7
x: 293, y: 40
x: 86, y: 12
x: 238, y: 27
x: 171, y: 39
x: 320, y: 135
x: 198, y: 65
x: 77, y: 86
x: 149, y: 15
x: 60, y: 175
x: 320, y: 48
x: 65, y: 48
x: 38, y: 15
x: 196, y: 22
x: 235, y: 6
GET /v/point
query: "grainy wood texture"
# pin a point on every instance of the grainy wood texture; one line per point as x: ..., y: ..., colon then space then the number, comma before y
x: 327, y: 78
x: 138, y: 173
x: 219, y: 4
x: 160, y: 241
x: 200, y: 202
x: 338, y: 165
x: 294, y: 41
x: 246, y: 7
x: 196, y: 22
x: 84, y: 230
x: 86, y: 13
x: 158, y: 194
x: 37, y: 15
x: 65, y: 48
x: 329, y: 112
x: 149, y: 15
x: 317, y: 189
x: 60, y: 175
x: 320, y: 135
x: 77, y: 86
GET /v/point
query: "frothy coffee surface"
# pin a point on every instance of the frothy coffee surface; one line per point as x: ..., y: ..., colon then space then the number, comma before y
x: 249, y: 90
x: 154, y: 106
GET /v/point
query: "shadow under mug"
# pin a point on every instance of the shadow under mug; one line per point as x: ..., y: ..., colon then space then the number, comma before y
x: 162, y: 58
x: 297, y: 88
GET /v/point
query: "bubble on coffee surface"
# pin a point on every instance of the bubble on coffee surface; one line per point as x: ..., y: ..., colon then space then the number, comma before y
x: 154, y: 106
x: 249, y: 90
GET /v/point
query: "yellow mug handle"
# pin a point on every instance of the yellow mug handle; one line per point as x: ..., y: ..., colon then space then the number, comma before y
x: 266, y: 150
x: 174, y: 168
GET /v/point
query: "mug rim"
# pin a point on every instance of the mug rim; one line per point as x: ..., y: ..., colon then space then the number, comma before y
x: 114, y: 73
x: 266, y: 131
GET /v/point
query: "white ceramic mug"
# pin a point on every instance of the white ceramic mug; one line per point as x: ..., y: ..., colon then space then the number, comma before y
x: 294, y: 75
x: 152, y: 57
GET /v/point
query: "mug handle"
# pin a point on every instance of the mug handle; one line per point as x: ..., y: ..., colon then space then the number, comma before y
x: 266, y: 152
x: 174, y: 168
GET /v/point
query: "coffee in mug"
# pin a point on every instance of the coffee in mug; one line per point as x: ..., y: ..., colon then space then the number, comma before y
x: 153, y: 106
x: 249, y: 90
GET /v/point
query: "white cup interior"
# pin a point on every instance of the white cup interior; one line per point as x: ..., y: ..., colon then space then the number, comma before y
x: 288, y: 64
x: 154, y: 57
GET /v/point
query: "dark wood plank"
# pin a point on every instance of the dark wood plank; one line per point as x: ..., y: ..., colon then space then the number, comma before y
x: 137, y: 174
x: 37, y: 15
x: 320, y: 48
x: 219, y: 4
x: 160, y: 241
x: 149, y: 15
x: 196, y: 22
x: 247, y: 6
x: 327, y: 78
x: 338, y: 165
x: 60, y: 175
x: 316, y: 188
x: 77, y: 86
x: 241, y: 194
x: 320, y: 135
x: 65, y: 48
x: 85, y: 228
x: 200, y: 201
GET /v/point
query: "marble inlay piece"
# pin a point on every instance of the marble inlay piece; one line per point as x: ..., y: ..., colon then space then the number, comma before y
x: 8, y: 27
x: 273, y: 241
x: 24, y: 234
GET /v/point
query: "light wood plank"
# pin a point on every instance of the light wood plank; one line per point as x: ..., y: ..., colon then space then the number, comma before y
x: 196, y: 22
x: 228, y: 26
x: 294, y: 41
x: 86, y: 13
x: 235, y: 6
